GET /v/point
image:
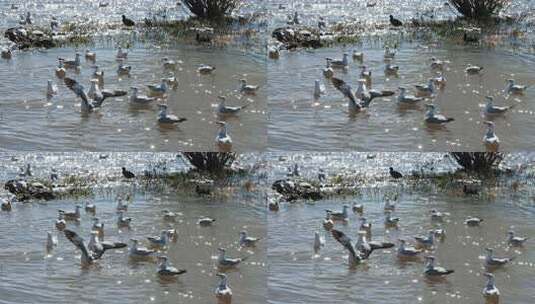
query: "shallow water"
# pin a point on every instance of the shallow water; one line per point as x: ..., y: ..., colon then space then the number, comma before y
x: 325, y: 124
x: 25, y: 266
x: 298, y: 275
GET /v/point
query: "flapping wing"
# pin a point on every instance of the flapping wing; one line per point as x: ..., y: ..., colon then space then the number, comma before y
x: 345, y: 241
x: 344, y: 88
x: 77, y: 241
x: 77, y: 88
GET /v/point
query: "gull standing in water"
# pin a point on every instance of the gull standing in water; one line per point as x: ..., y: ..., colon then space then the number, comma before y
x: 99, y: 75
x: 98, y: 227
x: 123, y: 69
x: 365, y: 226
x: 339, y: 216
x: 60, y: 70
x: 140, y: 99
x: 328, y: 71
x: 167, y: 270
x: 515, y: 241
x: 473, y: 70
x: 205, y: 221
x: 159, y: 89
x: 247, y: 241
x: 490, y: 260
x: 222, y: 138
x: 390, y: 69
x: 426, y: 90
x: 222, y: 108
x: 90, y: 56
x: 159, y: 241
x: 123, y: 221
x: 319, y: 89
x: 51, y: 89
x: 354, y: 257
x: 205, y: 69
x: 513, y: 88
x: 139, y: 252
x: 358, y: 208
x: 248, y: 88
x: 224, y: 261
x: 60, y: 222
x: 473, y: 221
x: 405, y: 251
x: 72, y: 216
x: 490, y: 139
x: 318, y: 241
x: 72, y: 63
x: 435, y: 271
x: 431, y: 117
x: 88, y: 256
x: 491, y: 292
x: 328, y: 223
x: 389, y: 220
x: 426, y: 242
x: 165, y: 118
x: 366, y: 74
x: 223, y: 292
x: 339, y: 63
x: 407, y: 99
x: 90, y: 208
x: 490, y: 108
x: 354, y: 104
x: 51, y: 241
x: 358, y: 56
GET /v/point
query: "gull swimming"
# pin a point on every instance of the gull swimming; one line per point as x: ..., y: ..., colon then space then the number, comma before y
x: 222, y: 108
x: 123, y: 221
x: 473, y: 69
x: 168, y: 63
x: 121, y: 54
x: 513, y: 88
x: 165, y: 118
x: 224, y: 261
x: 60, y: 222
x: 437, y: 64
x: 407, y: 99
x: 318, y: 241
x: 205, y: 69
x: 87, y: 105
x: 171, y: 80
x: 437, y: 216
x: 389, y: 53
x: 365, y: 226
x: 165, y: 269
x: 490, y: 108
x: 328, y: 223
x: 140, y: 99
x: 205, y: 221
x: 407, y: 251
x: 51, y: 89
x: 90, y: 208
x: 328, y: 71
x: 426, y: 90
x: 123, y: 69
x: 319, y: 89
x: 431, y: 117
x: 72, y: 63
x: 359, y: 56
x: 490, y: 138
x: 339, y: 216
x: 490, y: 260
x: 159, y: 89
x: 358, y: 208
x: 136, y: 251
x: 222, y: 137
x: 515, y: 241
x: 168, y: 215
x: 248, y: 88
x: 98, y: 227
x: 440, y: 80
x: 91, y: 56
x: 223, y: 291
x: 6, y: 205
x: 60, y: 70
x: 434, y: 271
x: 159, y: 241
x: 72, y: 216
x: 354, y: 257
x: 6, y: 53
x: 426, y: 242
x: 389, y: 220
x: 473, y: 221
x: 490, y: 291
x: 247, y: 241
x: 390, y: 69
x: 339, y: 63
x: 354, y: 103
x: 51, y: 241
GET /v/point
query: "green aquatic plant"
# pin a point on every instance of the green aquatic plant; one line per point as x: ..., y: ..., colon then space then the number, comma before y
x: 479, y: 9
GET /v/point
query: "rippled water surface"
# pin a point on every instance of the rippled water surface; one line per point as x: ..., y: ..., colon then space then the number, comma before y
x: 25, y: 266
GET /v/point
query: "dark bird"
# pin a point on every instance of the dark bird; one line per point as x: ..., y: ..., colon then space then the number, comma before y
x: 128, y: 22
x: 128, y: 174
x: 395, y: 22
x: 395, y: 174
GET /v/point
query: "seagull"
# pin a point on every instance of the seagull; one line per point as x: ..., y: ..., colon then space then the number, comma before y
x: 72, y: 63
x: 60, y: 222
x: 159, y: 241
x: 224, y: 261
x: 72, y: 216
x: 359, y: 56
x: 99, y: 75
x: 390, y: 69
x: 437, y: 216
x: 171, y: 80
x: 96, y: 245
x: 165, y: 269
x: 354, y: 104
x: 407, y: 251
x: 173, y: 233
x: 222, y: 137
x: 222, y: 108
x: 88, y: 256
x: 318, y: 241
x: 273, y: 52
x: 139, y: 252
x: 51, y: 241
x: 127, y: 21
x: 168, y: 63
x: 121, y: 54
x: 94, y: 91
x: 433, y: 118
x: 490, y: 108
x: 440, y: 234
x: 205, y: 69
x: 362, y: 245
x: 51, y: 89
x: 247, y: 241
x: 128, y: 175
x: 358, y: 208
x: 426, y: 90
x: 426, y: 242
x: 247, y: 88
x: 354, y: 257
x: 6, y: 53
x: 273, y: 205
x: 490, y: 137
x: 123, y: 69
x: 169, y: 216
x: 339, y: 216
x: 339, y: 63
x: 365, y: 73
x: 389, y: 206
x: 91, y: 56
x: 123, y: 221
x: 60, y: 70
x: 440, y: 80
x: 365, y: 226
x: 435, y: 271
x: 473, y: 69
x: 513, y: 88
x: 389, y: 220
x: 437, y: 64
x: 205, y: 221
x: 6, y: 205
x: 140, y: 99
x: 490, y: 260
x: 328, y: 71
x: 515, y: 241
x: 90, y: 208
x: 88, y: 104
x: 165, y: 118
x: 389, y: 53
x: 328, y: 223
x: 395, y: 22
x: 160, y: 89
x: 491, y: 291
x: 98, y: 227
x: 394, y: 174
x: 319, y: 89
x: 407, y: 99
x: 473, y: 221
x: 223, y: 291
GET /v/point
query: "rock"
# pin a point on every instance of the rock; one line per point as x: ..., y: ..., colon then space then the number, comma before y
x: 24, y: 190
x: 292, y: 190
x: 294, y: 38
x: 203, y: 34
x: 471, y: 34
x: 28, y: 37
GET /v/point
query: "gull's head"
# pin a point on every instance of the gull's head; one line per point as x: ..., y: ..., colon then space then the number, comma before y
x: 221, y: 123
x: 431, y: 107
x: 134, y: 89
x: 511, y: 81
x: 489, y: 99
x: 489, y: 250
x: 490, y: 124
x: 402, y: 241
x: 243, y: 233
x: 134, y: 241
x: 221, y: 98
x: 402, y: 89
x: 221, y: 250
x: 162, y: 258
x: 430, y: 257
x: 489, y: 275
x: 243, y: 81
x: 511, y: 233
x: 221, y: 275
